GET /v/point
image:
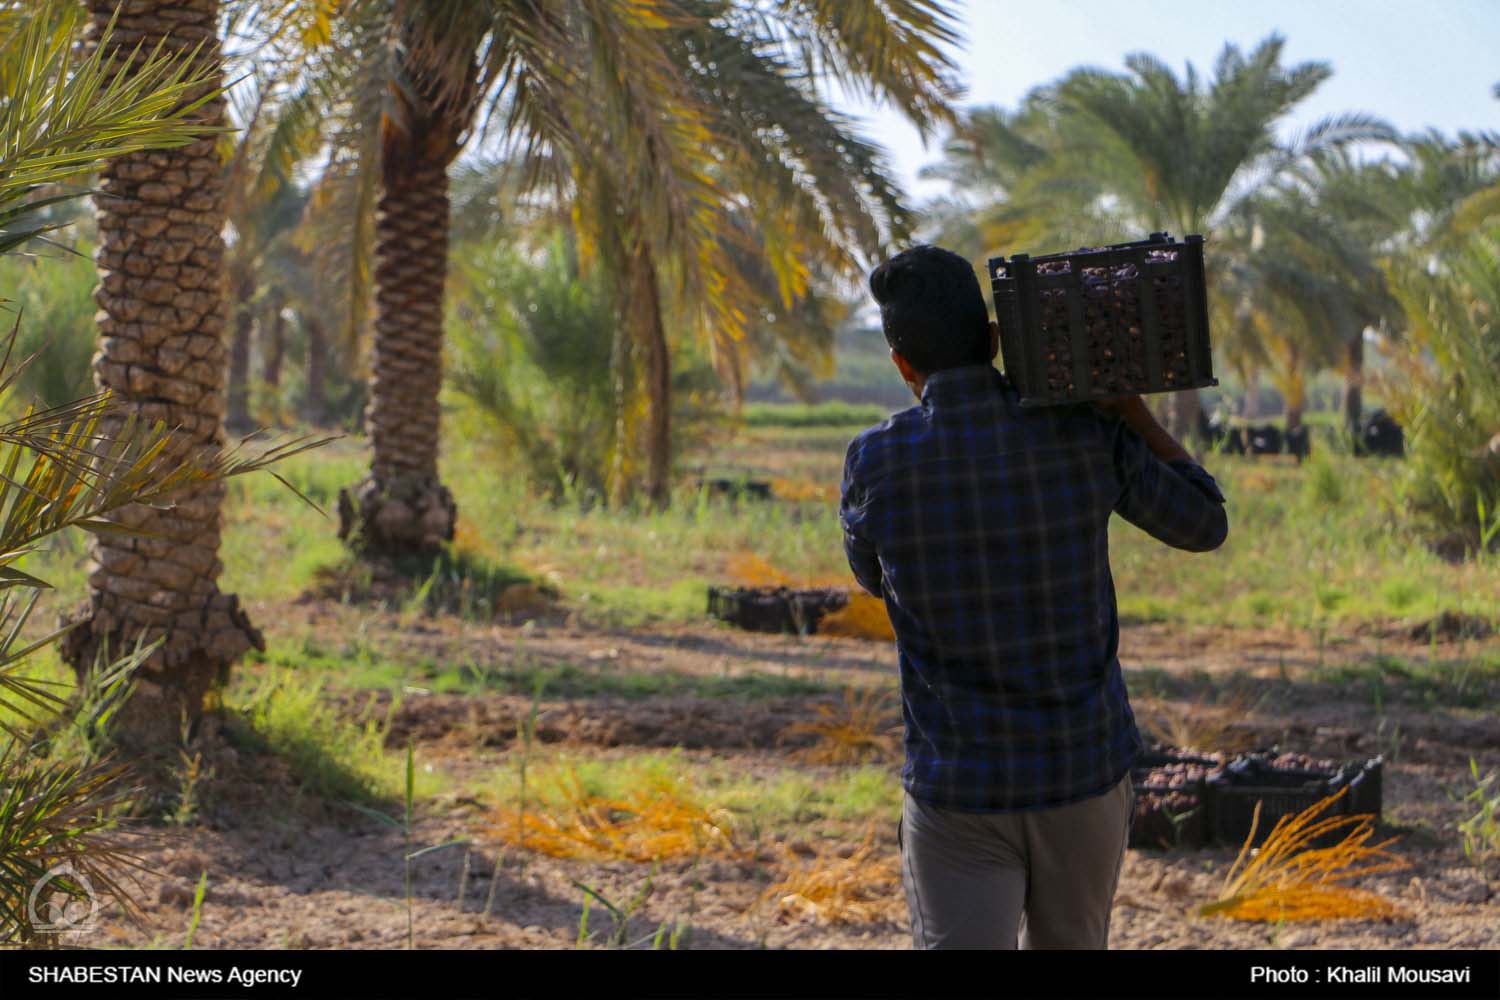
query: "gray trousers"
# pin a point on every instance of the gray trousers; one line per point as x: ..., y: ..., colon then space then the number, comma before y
x: 1040, y: 878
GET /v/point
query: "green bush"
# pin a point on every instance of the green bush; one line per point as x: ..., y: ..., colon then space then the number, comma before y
x: 54, y: 300
x: 1446, y: 392
x: 530, y: 346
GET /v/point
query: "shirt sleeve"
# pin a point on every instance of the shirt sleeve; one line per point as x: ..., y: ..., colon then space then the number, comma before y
x: 1178, y: 503
x: 860, y: 551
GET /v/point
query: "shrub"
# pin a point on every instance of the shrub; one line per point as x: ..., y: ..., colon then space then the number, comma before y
x: 530, y: 354
x: 1446, y: 392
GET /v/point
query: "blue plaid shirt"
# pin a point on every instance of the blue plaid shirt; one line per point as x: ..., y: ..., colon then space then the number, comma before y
x: 985, y: 528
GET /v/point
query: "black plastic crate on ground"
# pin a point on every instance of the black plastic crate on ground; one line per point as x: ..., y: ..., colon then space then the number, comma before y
x: 775, y: 609
x: 1172, y: 809
x: 1285, y: 792
x: 1107, y: 321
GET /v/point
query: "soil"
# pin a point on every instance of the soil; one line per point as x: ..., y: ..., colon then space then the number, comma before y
x: 306, y: 874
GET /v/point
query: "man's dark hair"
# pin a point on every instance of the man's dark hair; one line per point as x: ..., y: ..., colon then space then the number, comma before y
x: 932, y: 310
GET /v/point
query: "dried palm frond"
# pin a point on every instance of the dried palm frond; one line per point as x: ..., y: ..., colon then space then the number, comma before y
x: 1205, y: 724
x: 860, y: 887
x: 800, y: 490
x: 1285, y: 879
x: 864, y: 617
x: 861, y: 728
x: 752, y: 570
x: 655, y: 822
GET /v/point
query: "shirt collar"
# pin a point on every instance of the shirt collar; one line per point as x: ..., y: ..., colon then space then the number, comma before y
x: 953, y: 385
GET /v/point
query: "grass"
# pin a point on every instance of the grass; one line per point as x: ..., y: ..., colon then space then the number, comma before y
x: 1461, y: 682
x: 1316, y: 546
x: 357, y: 665
x: 829, y: 414
x: 773, y: 797
x: 327, y: 757
x: 1481, y: 829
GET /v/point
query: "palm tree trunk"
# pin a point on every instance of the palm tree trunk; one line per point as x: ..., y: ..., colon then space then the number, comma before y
x: 275, y: 351
x: 161, y: 323
x: 315, y: 406
x: 1354, y: 381
x: 1251, y: 409
x: 238, y: 419
x: 1187, y: 405
x: 401, y: 507
x: 658, y: 363
x: 1294, y: 388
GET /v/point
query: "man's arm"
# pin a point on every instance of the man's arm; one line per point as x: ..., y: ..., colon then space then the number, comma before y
x: 861, y: 554
x: 1163, y: 491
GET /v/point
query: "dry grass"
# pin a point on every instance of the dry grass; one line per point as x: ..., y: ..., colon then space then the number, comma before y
x: 1285, y: 879
x: 797, y: 490
x: 864, y: 617
x: 656, y: 822
x: 1207, y: 724
x: 830, y: 888
x: 861, y: 728
x: 751, y: 570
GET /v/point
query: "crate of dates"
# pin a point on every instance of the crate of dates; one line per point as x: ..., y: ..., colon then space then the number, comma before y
x: 1104, y: 321
x: 1172, y: 804
x: 775, y: 609
x: 1285, y: 784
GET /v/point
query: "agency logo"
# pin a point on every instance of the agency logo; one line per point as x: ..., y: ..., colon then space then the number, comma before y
x: 62, y: 900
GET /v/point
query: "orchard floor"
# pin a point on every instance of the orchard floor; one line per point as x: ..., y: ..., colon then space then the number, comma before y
x: 286, y: 873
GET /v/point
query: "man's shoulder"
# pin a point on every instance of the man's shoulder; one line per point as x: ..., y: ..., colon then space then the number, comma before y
x: 873, y: 442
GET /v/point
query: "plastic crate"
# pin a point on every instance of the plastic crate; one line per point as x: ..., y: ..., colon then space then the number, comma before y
x: 1156, y: 822
x: 774, y: 609
x: 1250, y: 780
x: 1107, y: 321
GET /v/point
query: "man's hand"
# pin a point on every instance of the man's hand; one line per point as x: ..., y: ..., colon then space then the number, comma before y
x: 1132, y: 410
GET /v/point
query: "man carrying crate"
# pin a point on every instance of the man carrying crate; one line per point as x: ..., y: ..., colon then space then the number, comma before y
x: 984, y: 528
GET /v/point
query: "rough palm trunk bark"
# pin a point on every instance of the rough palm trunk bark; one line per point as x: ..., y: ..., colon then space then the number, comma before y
x: 658, y: 364
x: 315, y: 407
x: 400, y: 506
x: 1354, y: 381
x: 161, y: 322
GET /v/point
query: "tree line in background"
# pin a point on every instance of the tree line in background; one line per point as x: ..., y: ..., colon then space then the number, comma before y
x: 1347, y: 233
x: 660, y: 199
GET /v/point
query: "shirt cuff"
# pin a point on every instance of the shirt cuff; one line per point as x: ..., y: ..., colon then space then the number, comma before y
x: 1199, y: 477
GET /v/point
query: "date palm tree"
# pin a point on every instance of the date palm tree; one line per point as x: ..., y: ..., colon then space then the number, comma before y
x: 162, y: 355
x: 575, y: 86
x: 792, y: 190
x: 1148, y: 150
x: 76, y: 465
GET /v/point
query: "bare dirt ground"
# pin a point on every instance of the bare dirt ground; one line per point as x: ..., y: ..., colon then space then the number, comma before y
x: 284, y: 875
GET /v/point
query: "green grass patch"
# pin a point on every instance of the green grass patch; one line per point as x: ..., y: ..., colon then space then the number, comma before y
x: 1459, y: 682
x: 358, y: 666
x: 328, y: 756
x: 784, y: 799
x: 829, y: 414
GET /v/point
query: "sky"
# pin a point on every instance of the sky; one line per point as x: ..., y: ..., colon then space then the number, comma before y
x: 1416, y: 64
